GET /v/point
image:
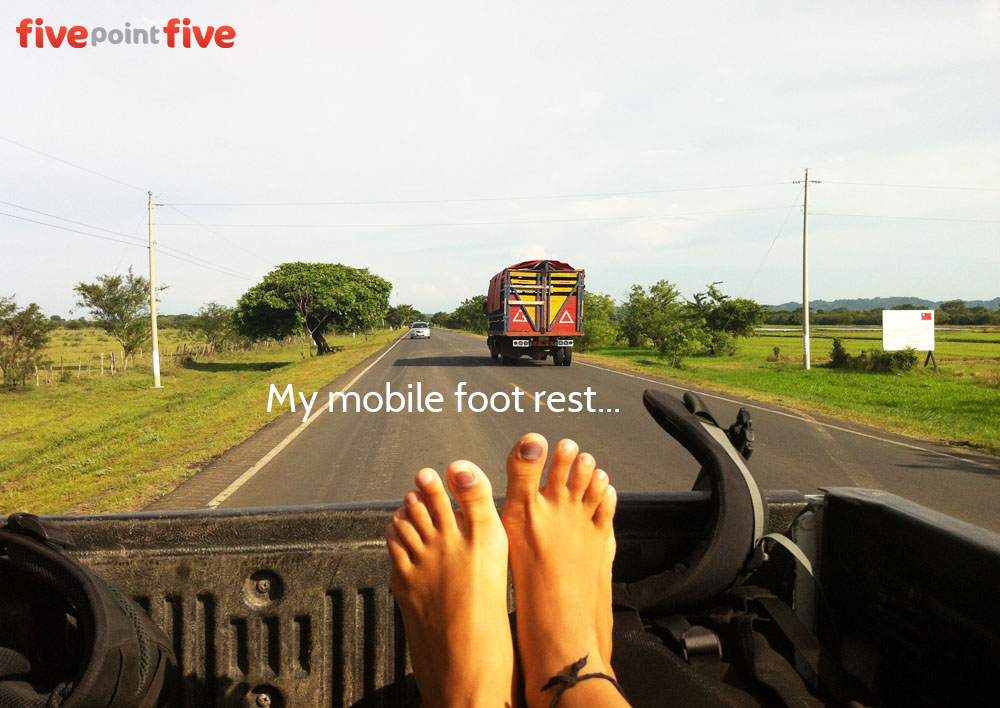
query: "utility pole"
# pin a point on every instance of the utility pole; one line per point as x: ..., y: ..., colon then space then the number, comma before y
x: 805, y: 272
x: 152, y: 299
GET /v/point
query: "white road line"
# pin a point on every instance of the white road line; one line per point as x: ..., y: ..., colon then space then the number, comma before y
x: 245, y: 477
x: 796, y: 417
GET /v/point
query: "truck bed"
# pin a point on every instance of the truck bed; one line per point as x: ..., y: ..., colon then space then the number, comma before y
x: 293, y: 603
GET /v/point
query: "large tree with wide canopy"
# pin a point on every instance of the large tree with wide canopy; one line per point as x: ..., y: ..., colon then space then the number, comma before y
x: 316, y: 297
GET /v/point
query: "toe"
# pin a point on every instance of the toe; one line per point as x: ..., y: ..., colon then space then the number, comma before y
x: 605, y: 512
x: 583, y: 473
x: 525, y: 465
x: 397, y: 551
x: 597, y: 489
x: 562, y: 462
x: 406, y: 532
x: 436, y: 499
x: 472, y: 491
x: 419, y: 515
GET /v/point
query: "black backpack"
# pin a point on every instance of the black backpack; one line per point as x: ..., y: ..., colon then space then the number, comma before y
x: 714, y: 631
x: 67, y: 638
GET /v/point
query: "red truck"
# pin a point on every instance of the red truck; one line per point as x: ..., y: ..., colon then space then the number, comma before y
x: 535, y: 308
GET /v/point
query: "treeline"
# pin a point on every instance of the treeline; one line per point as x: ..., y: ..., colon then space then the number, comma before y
x: 953, y: 312
x: 314, y: 299
x: 655, y: 318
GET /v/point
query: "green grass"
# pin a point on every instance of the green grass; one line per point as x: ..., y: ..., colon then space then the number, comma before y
x: 960, y: 405
x: 94, y: 444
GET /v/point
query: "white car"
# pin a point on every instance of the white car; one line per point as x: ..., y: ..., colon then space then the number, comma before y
x: 420, y: 330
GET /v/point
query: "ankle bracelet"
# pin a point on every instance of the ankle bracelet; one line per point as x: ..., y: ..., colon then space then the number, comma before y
x: 567, y: 682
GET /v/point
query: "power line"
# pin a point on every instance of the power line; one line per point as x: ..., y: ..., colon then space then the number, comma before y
x: 130, y: 243
x: 913, y: 218
x: 484, y: 223
x: 234, y: 243
x: 70, y: 221
x: 141, y: 241
x: 72, y: 164
x: 63, y: 228
x: 916, y: 186
x: 478, y: 199
x: 774, y: 240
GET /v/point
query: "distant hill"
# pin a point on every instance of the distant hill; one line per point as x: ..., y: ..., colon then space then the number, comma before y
x: 886, y: 303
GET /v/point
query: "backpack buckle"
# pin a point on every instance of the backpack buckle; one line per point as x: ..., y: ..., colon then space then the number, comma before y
x: 687, y: 639
x: 44, y: 531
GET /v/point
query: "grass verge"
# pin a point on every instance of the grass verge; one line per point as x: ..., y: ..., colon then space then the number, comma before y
x: 97, y: 444
x: 960, y: 405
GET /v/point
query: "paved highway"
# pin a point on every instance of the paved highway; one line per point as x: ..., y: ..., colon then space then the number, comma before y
x: 365, y: 456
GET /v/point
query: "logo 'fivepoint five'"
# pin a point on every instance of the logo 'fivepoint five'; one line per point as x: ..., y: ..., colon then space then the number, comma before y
x: 79, y: 36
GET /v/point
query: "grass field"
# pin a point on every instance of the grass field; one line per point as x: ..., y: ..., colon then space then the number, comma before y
x: 111, y: 443
x: 958, y: 405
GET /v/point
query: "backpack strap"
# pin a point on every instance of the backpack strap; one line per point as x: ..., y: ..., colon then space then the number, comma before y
x: 831, y: 674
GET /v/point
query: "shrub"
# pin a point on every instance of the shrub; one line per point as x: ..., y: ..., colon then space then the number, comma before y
x: 872, y: 361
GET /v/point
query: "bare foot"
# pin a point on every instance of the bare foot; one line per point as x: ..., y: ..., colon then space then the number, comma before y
x: 449, y: 576
x: 562, y: 546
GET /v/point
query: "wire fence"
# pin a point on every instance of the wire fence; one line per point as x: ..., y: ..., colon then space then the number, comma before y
x: 116, y: 362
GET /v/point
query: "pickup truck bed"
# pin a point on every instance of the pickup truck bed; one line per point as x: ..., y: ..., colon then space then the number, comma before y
x: 291, y: 606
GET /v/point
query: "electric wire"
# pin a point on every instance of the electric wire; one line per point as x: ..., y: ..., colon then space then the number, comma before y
x: 129, y: 243
x: 72, y: 164
x: 916, y: 186
x: 480, y: 199
x: 650, y: 217
x: 163, y: 248
x: 911, y: 218
x: 774, y: 240
x: 207, y: 228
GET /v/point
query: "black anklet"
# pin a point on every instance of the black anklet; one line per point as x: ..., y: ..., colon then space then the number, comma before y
x: 567, y: 682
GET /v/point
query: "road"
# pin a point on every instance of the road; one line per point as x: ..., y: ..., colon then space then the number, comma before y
x: 365, y: 456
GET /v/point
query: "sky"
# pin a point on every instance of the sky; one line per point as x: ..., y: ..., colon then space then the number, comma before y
x: 435, y: 143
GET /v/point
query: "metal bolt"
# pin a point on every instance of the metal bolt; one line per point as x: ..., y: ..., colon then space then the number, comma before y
x: 262, y: 587
x: 263, y: 700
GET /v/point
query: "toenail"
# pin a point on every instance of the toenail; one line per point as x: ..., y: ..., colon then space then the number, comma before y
x: 465, y: 479
x: 425, y: 477
x: 531, y: 451
x: 411, y: 499
x: 602, y: 475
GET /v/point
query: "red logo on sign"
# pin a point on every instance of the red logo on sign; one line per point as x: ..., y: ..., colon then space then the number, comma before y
x: 925, y: 315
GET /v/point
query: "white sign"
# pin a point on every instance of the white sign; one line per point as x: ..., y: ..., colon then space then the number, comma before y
x: 908, y: 329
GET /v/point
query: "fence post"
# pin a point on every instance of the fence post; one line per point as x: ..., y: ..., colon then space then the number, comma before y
x: 79, y: 365
x: 36, y: 375
x: 50, y: 372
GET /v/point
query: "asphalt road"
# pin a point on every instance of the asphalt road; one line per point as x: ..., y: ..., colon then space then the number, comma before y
x: 366, y: 456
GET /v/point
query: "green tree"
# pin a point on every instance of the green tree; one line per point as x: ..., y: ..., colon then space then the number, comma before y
x: 119, y: 304
x: 953, y: 312
x: 726, y: 318
x: 661, y: 317
x: 402, y: 316
x: 600, y: 328
x: 316, y: 297
x: 470, y: 316
x: 214, y: 322
x: 23, y: 334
